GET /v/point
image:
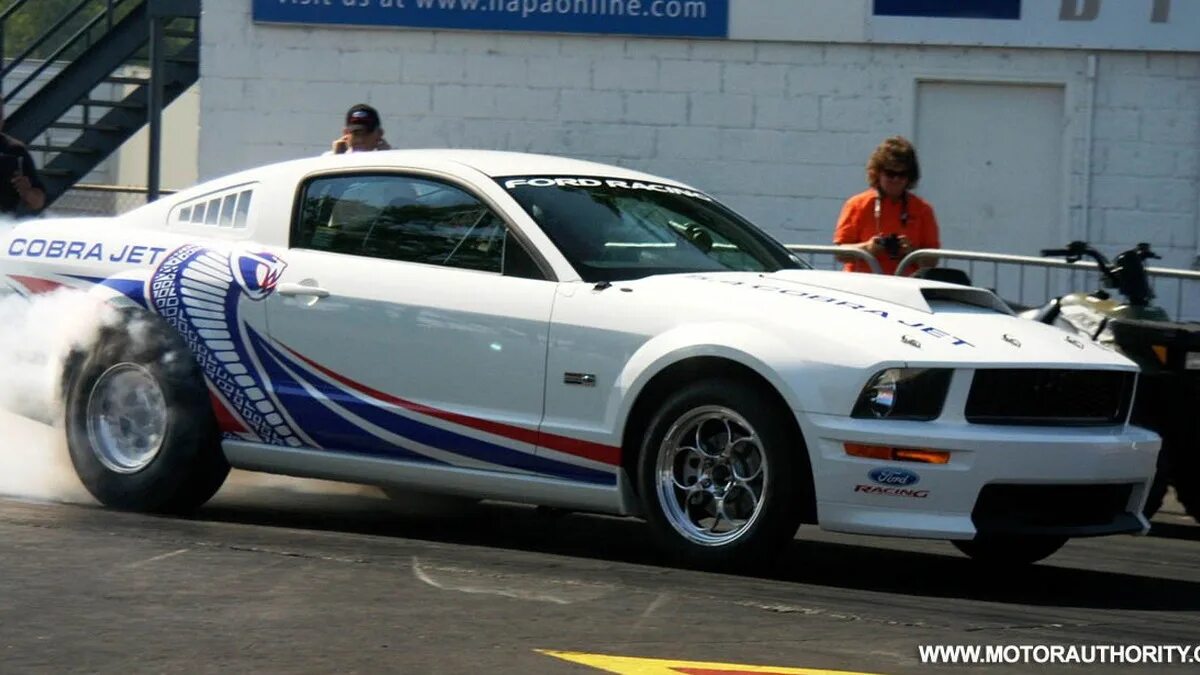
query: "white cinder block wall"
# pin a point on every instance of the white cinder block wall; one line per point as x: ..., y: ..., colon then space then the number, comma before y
x: 780, y: 131
x: 1146, y: 183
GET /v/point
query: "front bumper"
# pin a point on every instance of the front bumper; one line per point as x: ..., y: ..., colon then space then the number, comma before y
x: 1000, y: 480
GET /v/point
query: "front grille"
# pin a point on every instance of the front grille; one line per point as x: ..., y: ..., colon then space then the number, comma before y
x: 1050, y: 397
x: 1049, y: 508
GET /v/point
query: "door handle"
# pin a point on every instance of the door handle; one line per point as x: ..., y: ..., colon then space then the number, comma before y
x: 293, y: 289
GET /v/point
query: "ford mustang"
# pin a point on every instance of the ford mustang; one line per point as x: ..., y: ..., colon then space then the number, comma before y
x: 558, y: 332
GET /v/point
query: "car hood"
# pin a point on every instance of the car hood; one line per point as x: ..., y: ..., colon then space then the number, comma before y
x: 877, y: 317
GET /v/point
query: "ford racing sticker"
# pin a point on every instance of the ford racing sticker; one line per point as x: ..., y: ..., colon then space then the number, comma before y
x: 892, y: 482
x: 542, y: 182
x: 891, y: 491
x: 892, y: 476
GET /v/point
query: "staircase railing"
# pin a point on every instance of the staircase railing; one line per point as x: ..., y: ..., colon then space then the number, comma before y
x: 71, y: 78
x: 97, y: 16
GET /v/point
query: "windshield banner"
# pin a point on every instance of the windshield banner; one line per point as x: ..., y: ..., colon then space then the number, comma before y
x: 586, y: 182
x: 668, y: 18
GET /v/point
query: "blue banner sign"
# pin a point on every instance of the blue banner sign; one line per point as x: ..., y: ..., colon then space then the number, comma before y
x: 953, y: 9
x: 668, y: 18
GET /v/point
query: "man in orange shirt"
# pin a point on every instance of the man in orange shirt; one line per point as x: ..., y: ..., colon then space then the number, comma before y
x: 887, y: 220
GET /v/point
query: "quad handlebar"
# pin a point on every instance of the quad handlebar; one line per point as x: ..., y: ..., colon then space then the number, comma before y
x: 1127, y: 273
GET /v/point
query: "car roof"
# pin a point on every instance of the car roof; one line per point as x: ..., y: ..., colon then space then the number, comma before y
x: 492, y: 163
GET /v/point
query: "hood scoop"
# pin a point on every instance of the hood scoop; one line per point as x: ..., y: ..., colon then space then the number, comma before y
x: 922, y: 295
x: 943, y: 299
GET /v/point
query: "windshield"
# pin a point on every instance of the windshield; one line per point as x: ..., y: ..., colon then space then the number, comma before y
x: 616, y: 229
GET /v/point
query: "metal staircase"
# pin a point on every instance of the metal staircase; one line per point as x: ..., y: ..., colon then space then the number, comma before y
x: 99, y: 73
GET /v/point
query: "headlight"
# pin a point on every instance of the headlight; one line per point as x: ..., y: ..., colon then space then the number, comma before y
x: 1192, y: 361
x: 904, y: 394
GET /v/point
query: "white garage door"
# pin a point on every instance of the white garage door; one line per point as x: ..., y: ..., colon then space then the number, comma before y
x: 991, y: 159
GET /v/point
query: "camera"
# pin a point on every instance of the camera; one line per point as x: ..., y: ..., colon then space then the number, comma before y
x: 891, y: 244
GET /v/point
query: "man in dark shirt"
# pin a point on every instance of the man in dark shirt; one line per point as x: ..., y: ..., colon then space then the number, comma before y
x: 21, y: 189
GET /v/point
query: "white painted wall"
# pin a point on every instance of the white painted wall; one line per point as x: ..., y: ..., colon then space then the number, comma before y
x: 178, y: 168
x: 994, y: 162
x: 780, y: 130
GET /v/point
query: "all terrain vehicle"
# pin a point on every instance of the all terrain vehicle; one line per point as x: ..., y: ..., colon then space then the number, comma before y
x: 1168, y: 397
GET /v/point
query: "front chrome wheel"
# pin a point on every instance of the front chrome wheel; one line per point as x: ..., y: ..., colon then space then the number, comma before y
x: 126, y: 418
x: 712, y: 476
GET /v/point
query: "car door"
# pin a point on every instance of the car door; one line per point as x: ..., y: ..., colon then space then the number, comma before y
x: 410, y: 322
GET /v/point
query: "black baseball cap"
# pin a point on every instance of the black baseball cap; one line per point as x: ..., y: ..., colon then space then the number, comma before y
x: 362, y: 117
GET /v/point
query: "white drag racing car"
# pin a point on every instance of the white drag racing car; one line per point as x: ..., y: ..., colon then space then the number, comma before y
x: 559, y: 332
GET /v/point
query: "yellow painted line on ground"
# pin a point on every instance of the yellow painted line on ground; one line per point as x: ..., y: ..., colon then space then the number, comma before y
x: 630, y: 665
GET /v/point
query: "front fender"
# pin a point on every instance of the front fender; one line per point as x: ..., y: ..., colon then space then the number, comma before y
x: 801, y: 381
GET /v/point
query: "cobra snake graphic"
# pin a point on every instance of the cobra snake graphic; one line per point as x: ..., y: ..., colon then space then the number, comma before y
x: 197, y: 290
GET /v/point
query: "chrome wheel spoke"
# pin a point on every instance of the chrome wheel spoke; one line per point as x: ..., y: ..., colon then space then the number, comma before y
x: 126, y: 418
x: 720, y: 511
x: 746, y: 460
x: 712, y: 442
x: 686, y: 469
x: 744, y: 500
x: 713, y: 474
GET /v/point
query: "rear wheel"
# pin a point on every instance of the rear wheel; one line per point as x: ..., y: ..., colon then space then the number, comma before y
x: 723, y: 474
x: 140, y: 425
x: 1010, y: 550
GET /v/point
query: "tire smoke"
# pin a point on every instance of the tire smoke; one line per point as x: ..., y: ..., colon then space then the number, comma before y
x: 36, y: 335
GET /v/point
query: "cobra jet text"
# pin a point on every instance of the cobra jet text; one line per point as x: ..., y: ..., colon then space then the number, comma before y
x: 932, y: 331
x: 82, y: 250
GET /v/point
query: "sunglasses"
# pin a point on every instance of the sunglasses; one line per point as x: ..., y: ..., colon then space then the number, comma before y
x: 894, y: 174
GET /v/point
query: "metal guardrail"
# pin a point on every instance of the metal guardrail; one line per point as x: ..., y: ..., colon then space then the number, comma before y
x: 835, y: 251
x: 1032, y: 281
x: 1167, y: 293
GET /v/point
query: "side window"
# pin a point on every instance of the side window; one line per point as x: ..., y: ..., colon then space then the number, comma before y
x: 227, y: 209
x: 407, y: 219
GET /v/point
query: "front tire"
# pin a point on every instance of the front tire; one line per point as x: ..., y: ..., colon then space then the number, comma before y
x: 723, y: 474
x: 140, y: 426
x: 1010, y: 550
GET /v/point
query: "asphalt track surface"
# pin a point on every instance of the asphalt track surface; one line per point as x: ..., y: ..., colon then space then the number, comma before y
x: 281, y: 576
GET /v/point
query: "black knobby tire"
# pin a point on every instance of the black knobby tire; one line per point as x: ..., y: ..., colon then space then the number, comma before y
x: 1189, y: 497
x: 1158, y: 487
x: 1165, y: 405
x: 1185, y: 476
x: 189, y: 466
x: 787, y: 485
x: 1011, y: 550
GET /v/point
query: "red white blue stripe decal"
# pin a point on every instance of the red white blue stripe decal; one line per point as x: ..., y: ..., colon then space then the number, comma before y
x: 598, y: 452
x: 34, y: 285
